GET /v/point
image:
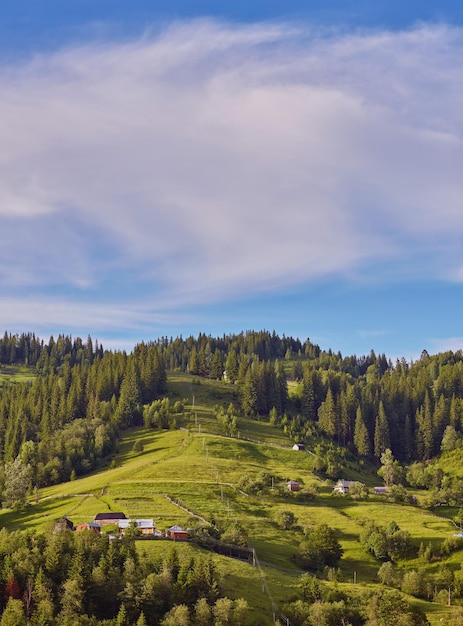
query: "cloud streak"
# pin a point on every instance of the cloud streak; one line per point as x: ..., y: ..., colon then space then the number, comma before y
x: 209, y: 161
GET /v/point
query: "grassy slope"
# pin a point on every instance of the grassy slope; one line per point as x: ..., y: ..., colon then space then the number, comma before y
x: 10, y: 374
x: 202, y: 469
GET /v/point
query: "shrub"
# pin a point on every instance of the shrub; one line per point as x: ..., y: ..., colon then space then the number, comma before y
x: 138, y: 446
x: 320, y: 548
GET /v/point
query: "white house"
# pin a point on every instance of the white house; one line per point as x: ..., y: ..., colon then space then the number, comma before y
x: 343, y: 486
x: 145, y: 526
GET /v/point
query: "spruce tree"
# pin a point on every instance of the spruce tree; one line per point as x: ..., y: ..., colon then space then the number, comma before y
x: 382, y: 439
x: 327, y: 415
x: 361, y: 436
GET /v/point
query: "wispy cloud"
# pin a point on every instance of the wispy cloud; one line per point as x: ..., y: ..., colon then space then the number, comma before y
x: 211, y: 160
x: 446, y: 344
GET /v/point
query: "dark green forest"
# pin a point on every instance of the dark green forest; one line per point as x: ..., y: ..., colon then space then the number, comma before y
x: 68, y: 417
x: 65, y: 418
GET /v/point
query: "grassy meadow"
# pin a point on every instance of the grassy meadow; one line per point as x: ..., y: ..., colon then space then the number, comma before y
x: 200, y: 466
x: 12, y: 375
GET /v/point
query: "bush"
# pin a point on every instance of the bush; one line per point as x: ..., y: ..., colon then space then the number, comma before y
x: 285, y: 519
x: 138, y: 446
x: 320, y: 548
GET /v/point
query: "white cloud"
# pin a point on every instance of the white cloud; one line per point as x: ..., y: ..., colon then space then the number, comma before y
x: 49, y: 313
x: 446, y: 344
x: 213, y: 159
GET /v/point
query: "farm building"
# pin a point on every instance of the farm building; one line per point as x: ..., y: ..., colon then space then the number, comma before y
x: 292, y: 485
x: 88, y: 526
x: 380, y: 491
x: 145, y: 526
x: 176, y: 533
x: 108, y: 518
x: 298, y: 446
x: 63, y: 524
x: 343, y: 486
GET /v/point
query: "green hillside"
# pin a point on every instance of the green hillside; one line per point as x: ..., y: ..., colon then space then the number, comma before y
x: 198, y: 467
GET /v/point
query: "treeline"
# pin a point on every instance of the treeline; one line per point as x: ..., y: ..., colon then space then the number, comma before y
x: 27, y: 349
x: 415, y: 409
x: 82, y: 578
x: 67, y: 419
x: 366, y: 403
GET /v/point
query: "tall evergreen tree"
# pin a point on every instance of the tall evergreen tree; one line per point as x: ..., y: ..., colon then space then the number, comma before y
x: 308, y: 396
x: 382, y: 439
x: 361, y: 436
x: 231, y: 366
x: 328, y: 415
x: 128, y: 409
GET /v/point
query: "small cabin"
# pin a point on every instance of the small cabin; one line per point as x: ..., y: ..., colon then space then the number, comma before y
x: 343, y: 486
x: 177, y: 533
x: 63, y: 524
x: 108, y: 518
x: 380, y: 491
x: 292, y: 485
x: 96, y: 528
x: 145, y: 526
x: 299, y: 446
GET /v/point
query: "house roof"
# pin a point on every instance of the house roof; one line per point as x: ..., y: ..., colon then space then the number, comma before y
x: 89, y: 524
x: 176, y: 529
x: 64, y: 522
x: 140, y: 523
x: 346, y: 483
x: 109, y: 515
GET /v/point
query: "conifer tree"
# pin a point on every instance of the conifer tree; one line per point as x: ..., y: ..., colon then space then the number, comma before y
x: 361, y: 436
x: 216, y: 371
x: 231, y: 366
x: 382, y: 439
x: 249, y: 393
x: 308, y: 396
x: 327, y: 415
x: 128, y: 410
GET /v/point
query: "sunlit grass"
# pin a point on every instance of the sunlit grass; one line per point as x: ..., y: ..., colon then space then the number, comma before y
x: 200, y: 466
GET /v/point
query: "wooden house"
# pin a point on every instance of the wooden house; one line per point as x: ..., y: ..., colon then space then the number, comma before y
x: 108, y: 518
x: 177, y: 533
x: 63, y: 524
x: 88, y: 526
x: 343, y: 486
x: 145, y: 526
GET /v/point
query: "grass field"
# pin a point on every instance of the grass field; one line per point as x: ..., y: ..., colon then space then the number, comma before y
x: 199, y: 466
x: 11, y: 375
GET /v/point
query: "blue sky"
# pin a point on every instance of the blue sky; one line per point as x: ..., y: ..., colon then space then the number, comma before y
x: 179, y: 167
